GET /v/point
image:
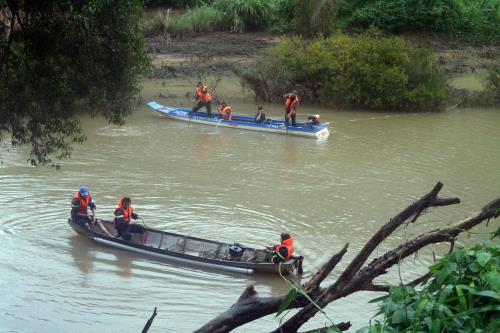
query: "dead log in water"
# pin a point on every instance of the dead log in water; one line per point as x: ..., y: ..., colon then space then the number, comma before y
x: 357, y: 276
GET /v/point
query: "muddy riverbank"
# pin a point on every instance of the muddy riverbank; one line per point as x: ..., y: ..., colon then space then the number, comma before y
x: 216, y: 51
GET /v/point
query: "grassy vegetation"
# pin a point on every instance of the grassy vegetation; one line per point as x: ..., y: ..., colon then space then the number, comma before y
x: 199, y: 19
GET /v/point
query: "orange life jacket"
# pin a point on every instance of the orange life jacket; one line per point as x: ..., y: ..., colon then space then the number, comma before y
x: 203, y: 94
x: 127, y: 213
x: 84, y: 203
x: 226, y: 112
x: 288, y: 243
x: 290, y: 105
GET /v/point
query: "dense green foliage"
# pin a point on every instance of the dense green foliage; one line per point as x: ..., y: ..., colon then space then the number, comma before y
x: 463, y: 295
x: 456, y: 17
x: 60, y: 57
x: 471, y: 18
x: 369, y: 72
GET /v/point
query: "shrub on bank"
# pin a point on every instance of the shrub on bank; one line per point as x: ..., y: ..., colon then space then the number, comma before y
x: 462, y: 295
x: 367, y: 71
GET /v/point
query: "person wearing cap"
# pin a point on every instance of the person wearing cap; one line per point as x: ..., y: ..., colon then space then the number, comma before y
x: 291, y: 107
x: 204, y: 99
x: 80, y: 204
x: 284, y: 251
x: 124, y: 214
x: 225, y: 111
x: 260, y: 116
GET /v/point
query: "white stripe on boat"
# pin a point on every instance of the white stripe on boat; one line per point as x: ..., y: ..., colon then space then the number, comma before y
x: 172, y: 258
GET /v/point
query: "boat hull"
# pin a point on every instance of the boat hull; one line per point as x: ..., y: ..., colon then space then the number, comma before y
x: 168, y: 246
x: 243, y: 122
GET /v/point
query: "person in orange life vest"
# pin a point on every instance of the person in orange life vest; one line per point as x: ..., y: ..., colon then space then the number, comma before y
x: 204, y: 99
x: 225, y: 111
x: 284, y: 251
x: 291, y: 107
x: 80, y: 204
x: 124, y: 213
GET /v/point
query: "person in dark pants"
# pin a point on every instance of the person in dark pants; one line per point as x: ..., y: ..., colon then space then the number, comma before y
x: 291, y: 107
x: 260, y: 116
x: 124, y: 213
x: 204, y: 99
x: 80, y: 204
x: 284, y: 251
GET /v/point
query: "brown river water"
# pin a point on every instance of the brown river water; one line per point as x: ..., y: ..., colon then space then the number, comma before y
x: 228, y: 185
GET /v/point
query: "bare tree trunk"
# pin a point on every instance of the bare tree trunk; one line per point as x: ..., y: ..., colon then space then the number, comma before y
x: 355, y: 277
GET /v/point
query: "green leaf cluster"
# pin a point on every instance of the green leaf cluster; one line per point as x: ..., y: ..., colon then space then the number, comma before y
x: 62, y: 57
x: 367, y: 71
x: 463, y: 295
x: 456, y: 17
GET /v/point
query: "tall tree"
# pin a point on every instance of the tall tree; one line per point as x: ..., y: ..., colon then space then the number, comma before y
x: 61, y: 57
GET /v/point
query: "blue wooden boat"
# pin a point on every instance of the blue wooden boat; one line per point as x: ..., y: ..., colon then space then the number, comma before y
x: 243, y: 122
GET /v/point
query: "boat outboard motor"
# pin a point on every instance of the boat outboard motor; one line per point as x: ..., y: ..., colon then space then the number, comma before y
x: 235, y: 252
x: 314, y: 119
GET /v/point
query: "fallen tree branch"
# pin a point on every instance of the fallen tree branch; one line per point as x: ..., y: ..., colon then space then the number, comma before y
x: 149, y: 322
x: 250, y: 306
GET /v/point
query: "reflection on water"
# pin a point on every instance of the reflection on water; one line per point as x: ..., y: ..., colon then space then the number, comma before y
x: 79, y: 248
x: 229, y: 185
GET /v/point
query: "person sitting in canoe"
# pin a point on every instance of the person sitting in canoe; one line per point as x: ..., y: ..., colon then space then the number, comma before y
x: 260, y: 116
x: 124, y: 213
x: 225, y: 111
x: 291, y: 107
x: 80, y: 204
x: 204, y: 99
x: 284, y: 251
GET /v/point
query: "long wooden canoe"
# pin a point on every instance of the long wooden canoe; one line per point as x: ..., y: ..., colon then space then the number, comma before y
x: 243, y: 122
x: 192, y: 250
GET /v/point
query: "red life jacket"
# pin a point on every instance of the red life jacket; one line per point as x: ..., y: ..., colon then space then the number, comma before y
x: 226, y: 112
x: 84, y: 203
x: 288, y: 244
x: 127, y: 213
x: 290, y: 105
x: 203, y: 94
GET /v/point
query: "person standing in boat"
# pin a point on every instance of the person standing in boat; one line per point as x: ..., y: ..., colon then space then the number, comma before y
x: 204, y: 99
x: 80, y: 204
x: 291, y: 107
x: 284, y: 251
x: 124, y: 213
x: 260, y: 116
x: 225, y: 111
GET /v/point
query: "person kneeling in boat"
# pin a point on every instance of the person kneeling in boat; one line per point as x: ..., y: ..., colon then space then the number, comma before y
x: 204, y: 99
x: 124, y: 213
x: 260, y: 116
x: 313, y: 120
x: 225, y: 111
x: 284, y: 251
x: 80, y: 204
